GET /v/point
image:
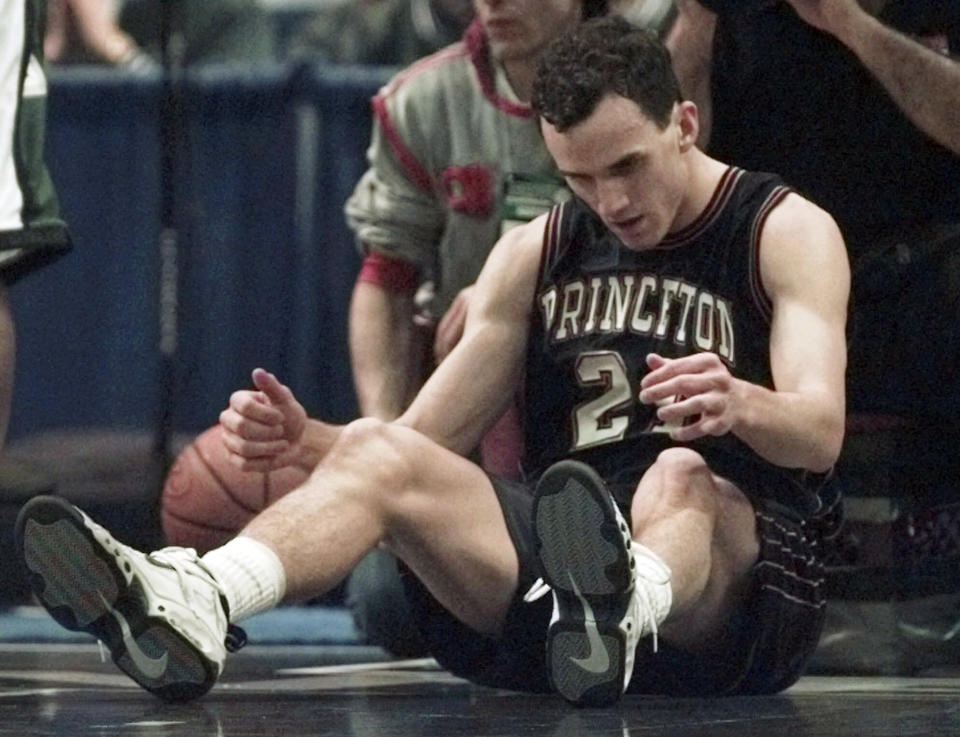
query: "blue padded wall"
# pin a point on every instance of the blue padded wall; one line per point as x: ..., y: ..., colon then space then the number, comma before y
x: 264, y: 161
x: 86, y: 326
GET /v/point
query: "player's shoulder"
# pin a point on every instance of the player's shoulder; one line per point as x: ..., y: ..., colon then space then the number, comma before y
x: 510, y: 272
x: 795, y: 215
x: 801, y: 242
x: 522, y: 244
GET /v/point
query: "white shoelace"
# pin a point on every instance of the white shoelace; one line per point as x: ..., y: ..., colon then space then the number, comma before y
x: 177, y: 559
x: 539, y: 589
x: 646, y: 597
x: 648, y: 611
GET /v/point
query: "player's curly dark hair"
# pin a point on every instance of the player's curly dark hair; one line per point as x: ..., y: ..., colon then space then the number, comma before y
x: 595, y: 8
x: 604, y: 56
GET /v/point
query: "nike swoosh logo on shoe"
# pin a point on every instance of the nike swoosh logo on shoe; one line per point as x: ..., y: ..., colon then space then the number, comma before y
x: 598, y: 661
x: 150, y: 667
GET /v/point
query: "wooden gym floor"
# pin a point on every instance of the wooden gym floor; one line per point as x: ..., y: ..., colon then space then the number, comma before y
x: 63, y: 689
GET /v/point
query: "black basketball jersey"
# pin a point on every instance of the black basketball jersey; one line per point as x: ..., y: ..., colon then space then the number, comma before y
x: 601, y: 308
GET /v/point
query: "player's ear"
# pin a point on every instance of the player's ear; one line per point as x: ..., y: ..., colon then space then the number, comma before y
x: 688, y: 124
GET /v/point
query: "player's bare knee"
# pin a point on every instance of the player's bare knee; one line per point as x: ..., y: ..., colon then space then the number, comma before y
x: 369, y: 438
x: 680, y: 478
x: 681, y: 470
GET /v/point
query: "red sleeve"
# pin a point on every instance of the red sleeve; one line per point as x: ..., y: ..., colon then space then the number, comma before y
x: 391, y: 274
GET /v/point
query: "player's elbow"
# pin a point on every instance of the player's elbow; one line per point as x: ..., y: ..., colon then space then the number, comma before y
x: 829, y: 443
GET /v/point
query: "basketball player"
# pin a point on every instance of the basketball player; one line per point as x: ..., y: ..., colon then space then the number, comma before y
x: 31, y: 232
x: 682, y: 328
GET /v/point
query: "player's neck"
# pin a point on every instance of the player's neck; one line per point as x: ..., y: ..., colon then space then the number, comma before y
x: 704, y: 177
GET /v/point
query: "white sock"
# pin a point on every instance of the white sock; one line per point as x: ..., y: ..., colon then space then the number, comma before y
x: 654, y: 575
x: 251, y: 575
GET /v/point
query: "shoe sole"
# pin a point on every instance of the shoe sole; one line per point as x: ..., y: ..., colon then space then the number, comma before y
x: 78, y: 579
x: 580, y: 544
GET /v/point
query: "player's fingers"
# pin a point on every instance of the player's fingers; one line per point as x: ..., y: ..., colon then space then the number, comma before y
x: 247, y: 404
x: 253, y: 449
x: 253, y: 464
x: 708, y: 425
x: 264, y: 464
x: 709, y: 404
x: 661, y: 372
x: 676, y: 412
x: 232, y: 422
x: 655, y: 361
x: 685, y: 385
x: 692, y: 364
x: 271, y: 386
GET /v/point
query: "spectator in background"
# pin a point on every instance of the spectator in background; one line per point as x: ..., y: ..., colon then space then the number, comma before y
x: 127, y: 33
x: 210, y: 31
x: 381, y: 32
x: 86, y: 32
x: 31, y: 232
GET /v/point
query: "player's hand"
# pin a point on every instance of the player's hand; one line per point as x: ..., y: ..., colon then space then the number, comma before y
x: 697, y: 393
x: 263, y: 426
x: 450, y: 328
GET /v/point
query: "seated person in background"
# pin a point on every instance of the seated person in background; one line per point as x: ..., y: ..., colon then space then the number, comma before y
x: 681, y: 327
x: 127, y: 33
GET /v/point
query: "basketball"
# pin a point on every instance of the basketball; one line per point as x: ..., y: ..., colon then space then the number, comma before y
x: 206, y: 499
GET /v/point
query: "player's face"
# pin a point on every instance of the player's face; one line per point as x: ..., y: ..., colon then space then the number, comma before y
x: 520, y: 29
x: 629, y: 171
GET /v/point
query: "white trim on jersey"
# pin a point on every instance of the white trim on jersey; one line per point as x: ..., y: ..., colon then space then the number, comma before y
x: 35, y: 84
x: 12, y: 40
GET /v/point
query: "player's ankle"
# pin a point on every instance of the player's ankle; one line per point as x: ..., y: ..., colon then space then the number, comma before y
x: 251, y: 575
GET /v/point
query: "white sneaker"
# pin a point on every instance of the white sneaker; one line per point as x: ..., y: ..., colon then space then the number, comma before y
x: 608, y: 592
x: 162, y: 615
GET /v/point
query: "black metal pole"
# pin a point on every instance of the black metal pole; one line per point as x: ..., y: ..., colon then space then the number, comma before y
x: 171, y: 132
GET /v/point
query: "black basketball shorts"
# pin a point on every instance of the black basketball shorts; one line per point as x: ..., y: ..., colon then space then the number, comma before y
x: 766, y: 651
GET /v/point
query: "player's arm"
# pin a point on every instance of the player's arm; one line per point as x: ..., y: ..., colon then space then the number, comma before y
x: 474, y: 384
x: 923, y: 83
x: 800, y: 422
x: 690, y: 42
x: 804, y: 268
x: 267, y: 428
x: 386, y: 347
